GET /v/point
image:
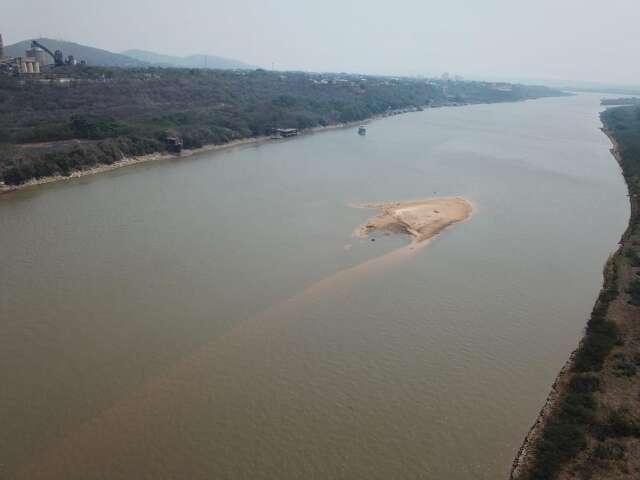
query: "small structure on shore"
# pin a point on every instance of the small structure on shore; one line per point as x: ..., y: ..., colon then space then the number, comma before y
x: 285, y: 132
x: 174, y: 144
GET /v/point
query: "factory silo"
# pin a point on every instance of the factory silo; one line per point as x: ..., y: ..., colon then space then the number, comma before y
x: 1, y: 48
x: 38, y: 54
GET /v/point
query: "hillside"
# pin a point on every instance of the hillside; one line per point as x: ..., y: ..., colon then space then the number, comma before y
x: 192, y: 61
x: 93, y: 56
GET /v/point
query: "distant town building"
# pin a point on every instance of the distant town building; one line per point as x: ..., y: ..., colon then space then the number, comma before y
x: 501, y: 87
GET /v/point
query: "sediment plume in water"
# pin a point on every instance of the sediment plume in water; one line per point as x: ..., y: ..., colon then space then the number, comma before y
x: 165, y: 409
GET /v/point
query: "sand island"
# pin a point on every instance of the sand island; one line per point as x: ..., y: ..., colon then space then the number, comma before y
x: 422, y: 219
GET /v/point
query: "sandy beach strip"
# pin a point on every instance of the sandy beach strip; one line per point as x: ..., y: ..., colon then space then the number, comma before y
x: 421, y: 219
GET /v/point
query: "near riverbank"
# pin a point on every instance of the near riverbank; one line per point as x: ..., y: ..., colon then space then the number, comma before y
x: 154, y: 157
x: 589, y: 427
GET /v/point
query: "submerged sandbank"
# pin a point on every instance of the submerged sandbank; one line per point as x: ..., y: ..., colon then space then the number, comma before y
x: 422, y: 219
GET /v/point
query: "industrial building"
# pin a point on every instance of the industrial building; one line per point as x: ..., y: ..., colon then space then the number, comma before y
x: 39, y: 55
x: 19, y: 66
x: 7, y: 66
x: 27, y: 65
x: 35, y: 58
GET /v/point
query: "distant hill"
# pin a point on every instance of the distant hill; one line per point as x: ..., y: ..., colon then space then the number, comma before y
x: 93, y: 56
x: 130, y: 58
x: 192, y: 61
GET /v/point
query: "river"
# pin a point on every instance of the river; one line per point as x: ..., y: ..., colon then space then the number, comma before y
x: 212, y: 317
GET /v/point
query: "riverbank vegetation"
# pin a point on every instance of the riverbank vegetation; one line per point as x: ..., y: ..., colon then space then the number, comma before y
x: 88, y: 116
x: 593, y: 430
x: 620, y: 101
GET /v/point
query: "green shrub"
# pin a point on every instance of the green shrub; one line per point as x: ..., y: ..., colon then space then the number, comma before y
x: 584, y: 383
x: 562, y: 439
x: 622, y: 367
x: 600, y: 338
x: 633, y: 256
x: 96, y: 127
x: 634, y: 292
x: 609, y: 451
x: 619, y: 423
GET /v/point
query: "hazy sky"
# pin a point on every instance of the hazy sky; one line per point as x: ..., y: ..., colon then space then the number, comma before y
x: 591, y: 40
